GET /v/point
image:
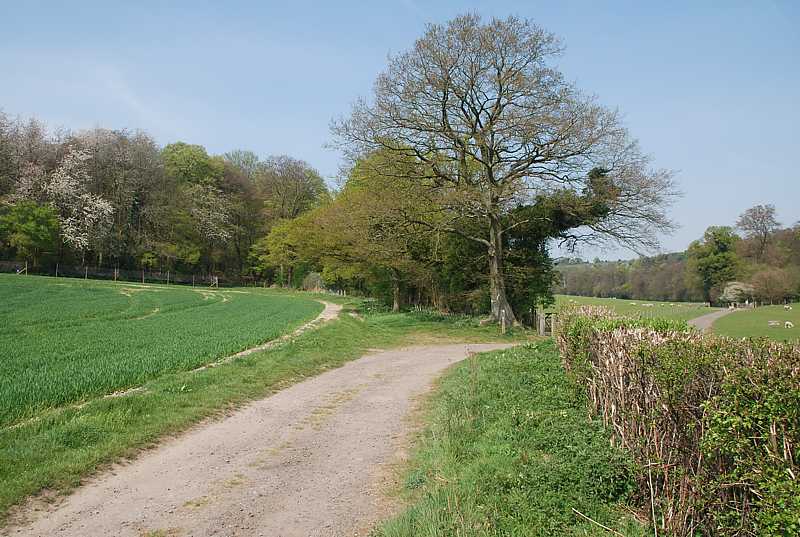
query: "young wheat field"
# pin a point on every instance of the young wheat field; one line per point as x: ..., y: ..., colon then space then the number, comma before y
x: 65, y: 341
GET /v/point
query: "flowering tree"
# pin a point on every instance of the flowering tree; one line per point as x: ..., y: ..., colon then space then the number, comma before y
x: 84, y: 218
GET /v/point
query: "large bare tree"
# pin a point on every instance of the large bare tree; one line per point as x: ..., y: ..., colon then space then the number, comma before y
x: 758, y: 224
x: 497, y: 125
x: 290, y: 186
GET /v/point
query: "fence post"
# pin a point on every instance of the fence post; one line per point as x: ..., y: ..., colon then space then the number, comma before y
x: 142, y: 275
x: 86, y: 272
x: 56, y: 270
x: 167, y: 277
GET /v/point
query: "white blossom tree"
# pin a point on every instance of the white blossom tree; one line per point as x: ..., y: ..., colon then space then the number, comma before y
x: 84, y: 218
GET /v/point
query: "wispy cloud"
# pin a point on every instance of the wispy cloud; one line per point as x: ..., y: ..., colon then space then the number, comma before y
x: 148, y: 114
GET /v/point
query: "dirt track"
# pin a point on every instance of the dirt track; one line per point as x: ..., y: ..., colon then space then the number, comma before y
x: 311, y: 460
x: 705, y: 322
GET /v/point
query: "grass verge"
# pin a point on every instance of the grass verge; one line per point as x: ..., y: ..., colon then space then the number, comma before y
x: 54, y: 452
x: 510, y: 451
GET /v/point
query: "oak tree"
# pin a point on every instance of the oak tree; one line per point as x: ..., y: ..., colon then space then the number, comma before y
x: 496, y: 124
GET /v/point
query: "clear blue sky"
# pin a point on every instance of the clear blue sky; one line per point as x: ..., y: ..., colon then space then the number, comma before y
x: 710, y: 89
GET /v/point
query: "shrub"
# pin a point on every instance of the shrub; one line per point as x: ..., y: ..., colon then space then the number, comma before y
x: 712, y: 422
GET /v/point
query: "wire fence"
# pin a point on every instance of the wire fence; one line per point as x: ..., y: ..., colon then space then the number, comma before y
x: 140, y: 275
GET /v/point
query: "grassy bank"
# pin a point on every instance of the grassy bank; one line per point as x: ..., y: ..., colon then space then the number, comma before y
x: 510, y: 451
x: 59, y: 447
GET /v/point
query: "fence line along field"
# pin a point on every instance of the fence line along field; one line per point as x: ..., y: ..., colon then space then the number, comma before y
x: 65, y: 341
x: 642, y: 308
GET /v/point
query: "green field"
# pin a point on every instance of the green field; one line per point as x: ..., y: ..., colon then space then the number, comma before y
x: 755, y: 323
x: 65, y: 341
x: 665, y: 310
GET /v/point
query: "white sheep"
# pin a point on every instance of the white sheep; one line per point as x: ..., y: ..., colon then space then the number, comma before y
x: 788, y: 324
x: 787, y: 307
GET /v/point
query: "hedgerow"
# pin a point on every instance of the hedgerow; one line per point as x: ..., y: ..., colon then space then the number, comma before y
x: 713, y: 423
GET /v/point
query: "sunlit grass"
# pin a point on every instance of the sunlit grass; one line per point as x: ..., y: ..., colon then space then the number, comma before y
x: 756, y: 323
x: 66, y: 340
x: 61, y: 445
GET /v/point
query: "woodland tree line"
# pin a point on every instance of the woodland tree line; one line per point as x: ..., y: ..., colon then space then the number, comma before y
x: 757, y: 260
x: 472, y: 156
x: 117, y: 199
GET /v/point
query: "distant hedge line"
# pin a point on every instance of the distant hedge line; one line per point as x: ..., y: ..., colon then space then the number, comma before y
x: 713, y: 423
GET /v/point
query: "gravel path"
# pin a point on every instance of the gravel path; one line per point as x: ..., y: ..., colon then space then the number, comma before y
x: 705, y: 322
x: 312, y: 460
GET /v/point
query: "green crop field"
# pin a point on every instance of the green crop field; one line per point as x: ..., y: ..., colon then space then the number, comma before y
x: 65, y: 341
x: 666, y: 310
x: 755, y: 323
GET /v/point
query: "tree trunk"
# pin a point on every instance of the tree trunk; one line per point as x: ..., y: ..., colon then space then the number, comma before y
x: 501, y: 309
x: 395, y: 292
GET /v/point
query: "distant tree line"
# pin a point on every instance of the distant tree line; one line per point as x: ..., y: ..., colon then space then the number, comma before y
x: 116, y: 199
x: 757, y: 260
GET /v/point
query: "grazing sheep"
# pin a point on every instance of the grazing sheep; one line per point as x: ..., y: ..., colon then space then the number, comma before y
x: 788, y: 324
x: 647, y: 305
x: 774, y: 323
x: 787, y: 307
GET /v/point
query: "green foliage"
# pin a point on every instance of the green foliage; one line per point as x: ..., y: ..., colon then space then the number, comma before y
x: 713, y: 422
x: 28, y: 228
x: 713, y: 260
x: 753, y: 430
x: 510, y: 451
x: 188, y: 163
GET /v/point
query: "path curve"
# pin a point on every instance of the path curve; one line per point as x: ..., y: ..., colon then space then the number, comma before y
x: 705, y: 322
x: 311, y: 460
x: 328, y: 313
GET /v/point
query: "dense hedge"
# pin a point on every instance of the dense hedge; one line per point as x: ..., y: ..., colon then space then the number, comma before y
x: 713, y: 423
